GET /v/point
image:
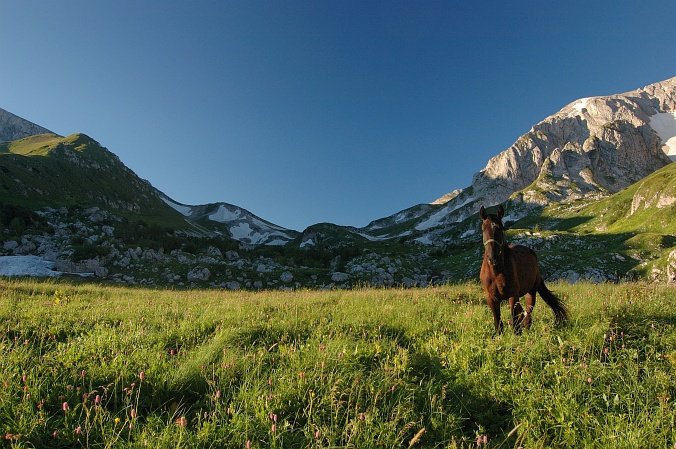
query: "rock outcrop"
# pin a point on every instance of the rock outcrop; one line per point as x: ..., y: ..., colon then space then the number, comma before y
x: 13, y: 127
x: 592, y: 146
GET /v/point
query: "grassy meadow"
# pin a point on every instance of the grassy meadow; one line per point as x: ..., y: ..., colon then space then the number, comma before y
x: 85, y: 365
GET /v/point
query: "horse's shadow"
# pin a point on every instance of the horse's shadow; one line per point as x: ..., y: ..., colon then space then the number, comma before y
x: 477, y: 413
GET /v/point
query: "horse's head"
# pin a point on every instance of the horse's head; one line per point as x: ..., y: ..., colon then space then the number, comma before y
x: 494, y: 237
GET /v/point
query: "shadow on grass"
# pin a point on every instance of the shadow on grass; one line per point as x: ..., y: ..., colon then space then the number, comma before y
x: 477, y: 413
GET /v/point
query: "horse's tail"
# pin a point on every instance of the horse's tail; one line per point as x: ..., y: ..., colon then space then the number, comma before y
x: 558, y: 307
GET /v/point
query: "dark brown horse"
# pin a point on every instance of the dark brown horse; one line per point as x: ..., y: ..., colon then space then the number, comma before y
x: 510, y: 271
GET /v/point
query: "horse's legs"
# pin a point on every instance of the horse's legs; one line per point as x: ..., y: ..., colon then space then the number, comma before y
x: 494, y: 305
x: 530, y: 305
x: 517, y: 313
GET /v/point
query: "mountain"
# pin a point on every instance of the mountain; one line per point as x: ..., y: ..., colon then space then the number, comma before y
x: 13, y: 127
x: 47, y: 170
x: 591, y: 187
x: 234, y: 222
x: 592, y: 147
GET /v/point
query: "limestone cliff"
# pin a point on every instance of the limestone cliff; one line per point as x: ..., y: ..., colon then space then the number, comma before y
x: 592, y: 146
x: 13, y: 127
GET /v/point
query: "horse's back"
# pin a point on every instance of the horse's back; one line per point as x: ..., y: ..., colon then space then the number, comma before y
x: 523, y: 253
x: 527, y: 270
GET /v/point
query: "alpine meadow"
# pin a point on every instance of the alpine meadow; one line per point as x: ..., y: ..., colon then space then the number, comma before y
x: 86, y: 365
x: 140, y: 307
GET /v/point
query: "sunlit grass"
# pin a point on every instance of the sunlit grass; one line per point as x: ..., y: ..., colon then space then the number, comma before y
x: 94, y: 366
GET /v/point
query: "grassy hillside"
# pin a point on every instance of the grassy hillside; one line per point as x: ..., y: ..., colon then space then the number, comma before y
x: 94, y: 366
x: 631, y: 232
x: 52, y: 171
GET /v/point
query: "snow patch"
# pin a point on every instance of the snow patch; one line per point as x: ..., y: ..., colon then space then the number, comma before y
x: 468, y: 233
x: 432, y: 221
x: 262, y: 224
x: 664, y: 124
x: 180, y: 208
x: 224, y: 215
x: 277, y: 242
x: 242, y: 231
x: 308, y: 242
x: 581, y: 104
x: 425, y: 240
x: 438, y: 217
x: 27, y: 266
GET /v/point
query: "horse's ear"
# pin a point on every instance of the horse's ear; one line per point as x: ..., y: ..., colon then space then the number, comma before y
x: 501, y: 212
x: 482, y: 213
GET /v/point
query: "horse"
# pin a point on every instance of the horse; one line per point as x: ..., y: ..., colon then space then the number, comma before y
x: 509, y: 272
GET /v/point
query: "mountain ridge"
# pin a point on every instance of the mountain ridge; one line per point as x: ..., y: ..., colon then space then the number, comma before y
x: 13, y: 127
x: 71, y: 201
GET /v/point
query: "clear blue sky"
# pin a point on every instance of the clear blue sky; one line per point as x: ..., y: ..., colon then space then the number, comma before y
x: 312, y: 111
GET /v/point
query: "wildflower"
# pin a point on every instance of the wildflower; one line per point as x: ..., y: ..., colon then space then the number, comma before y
x: 78, y: 430
x: 247, y: 445
x: 133, y: 413
x: 83, y: 373
x: 481, y: 440
x: 218, y: 394
x: 274, y: 428
x: 273, y: 417
x: 116, y: 420
x: 24, y: 378
x: 182, y: 422
x: 362, y: 416
x: 65, y: 407
x: 142, y: 375
x: 589, y: 380
x: 97, y: 399
x: 301, y: 374
x: 55, y: 434
x: 317, y: 434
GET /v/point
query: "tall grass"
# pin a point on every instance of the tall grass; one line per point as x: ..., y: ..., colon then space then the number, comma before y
x: 95, y: 366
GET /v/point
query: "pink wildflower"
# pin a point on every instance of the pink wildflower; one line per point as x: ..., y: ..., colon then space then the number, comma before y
x: 65, y: 407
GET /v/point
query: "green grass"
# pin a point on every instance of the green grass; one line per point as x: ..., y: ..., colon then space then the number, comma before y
x: 39, y: 145
x: 76, y: 171
x: 362, y: 368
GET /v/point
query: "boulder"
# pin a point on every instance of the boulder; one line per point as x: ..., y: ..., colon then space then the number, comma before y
x: 199, y: 274
x: 286, y: 277
x: 339, y: 277
x: 232, y: 285
x: 10, y: 245
x: 671, y: 268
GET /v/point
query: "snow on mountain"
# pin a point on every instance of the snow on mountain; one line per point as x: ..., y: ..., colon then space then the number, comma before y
x: 595, y: 145
x: 664, y: 124
x: 233, y: 221
x: 27, y: 266
x: 180, y: 208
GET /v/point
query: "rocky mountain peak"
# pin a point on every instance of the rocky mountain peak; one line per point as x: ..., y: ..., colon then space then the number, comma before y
x: 594, y: 145
x: 13, y: 127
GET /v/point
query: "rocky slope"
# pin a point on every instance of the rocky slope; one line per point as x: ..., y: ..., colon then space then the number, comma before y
x: 72, y: 203
x: 234, y: 222
x: 593, y: 146
x: 13, y: 127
